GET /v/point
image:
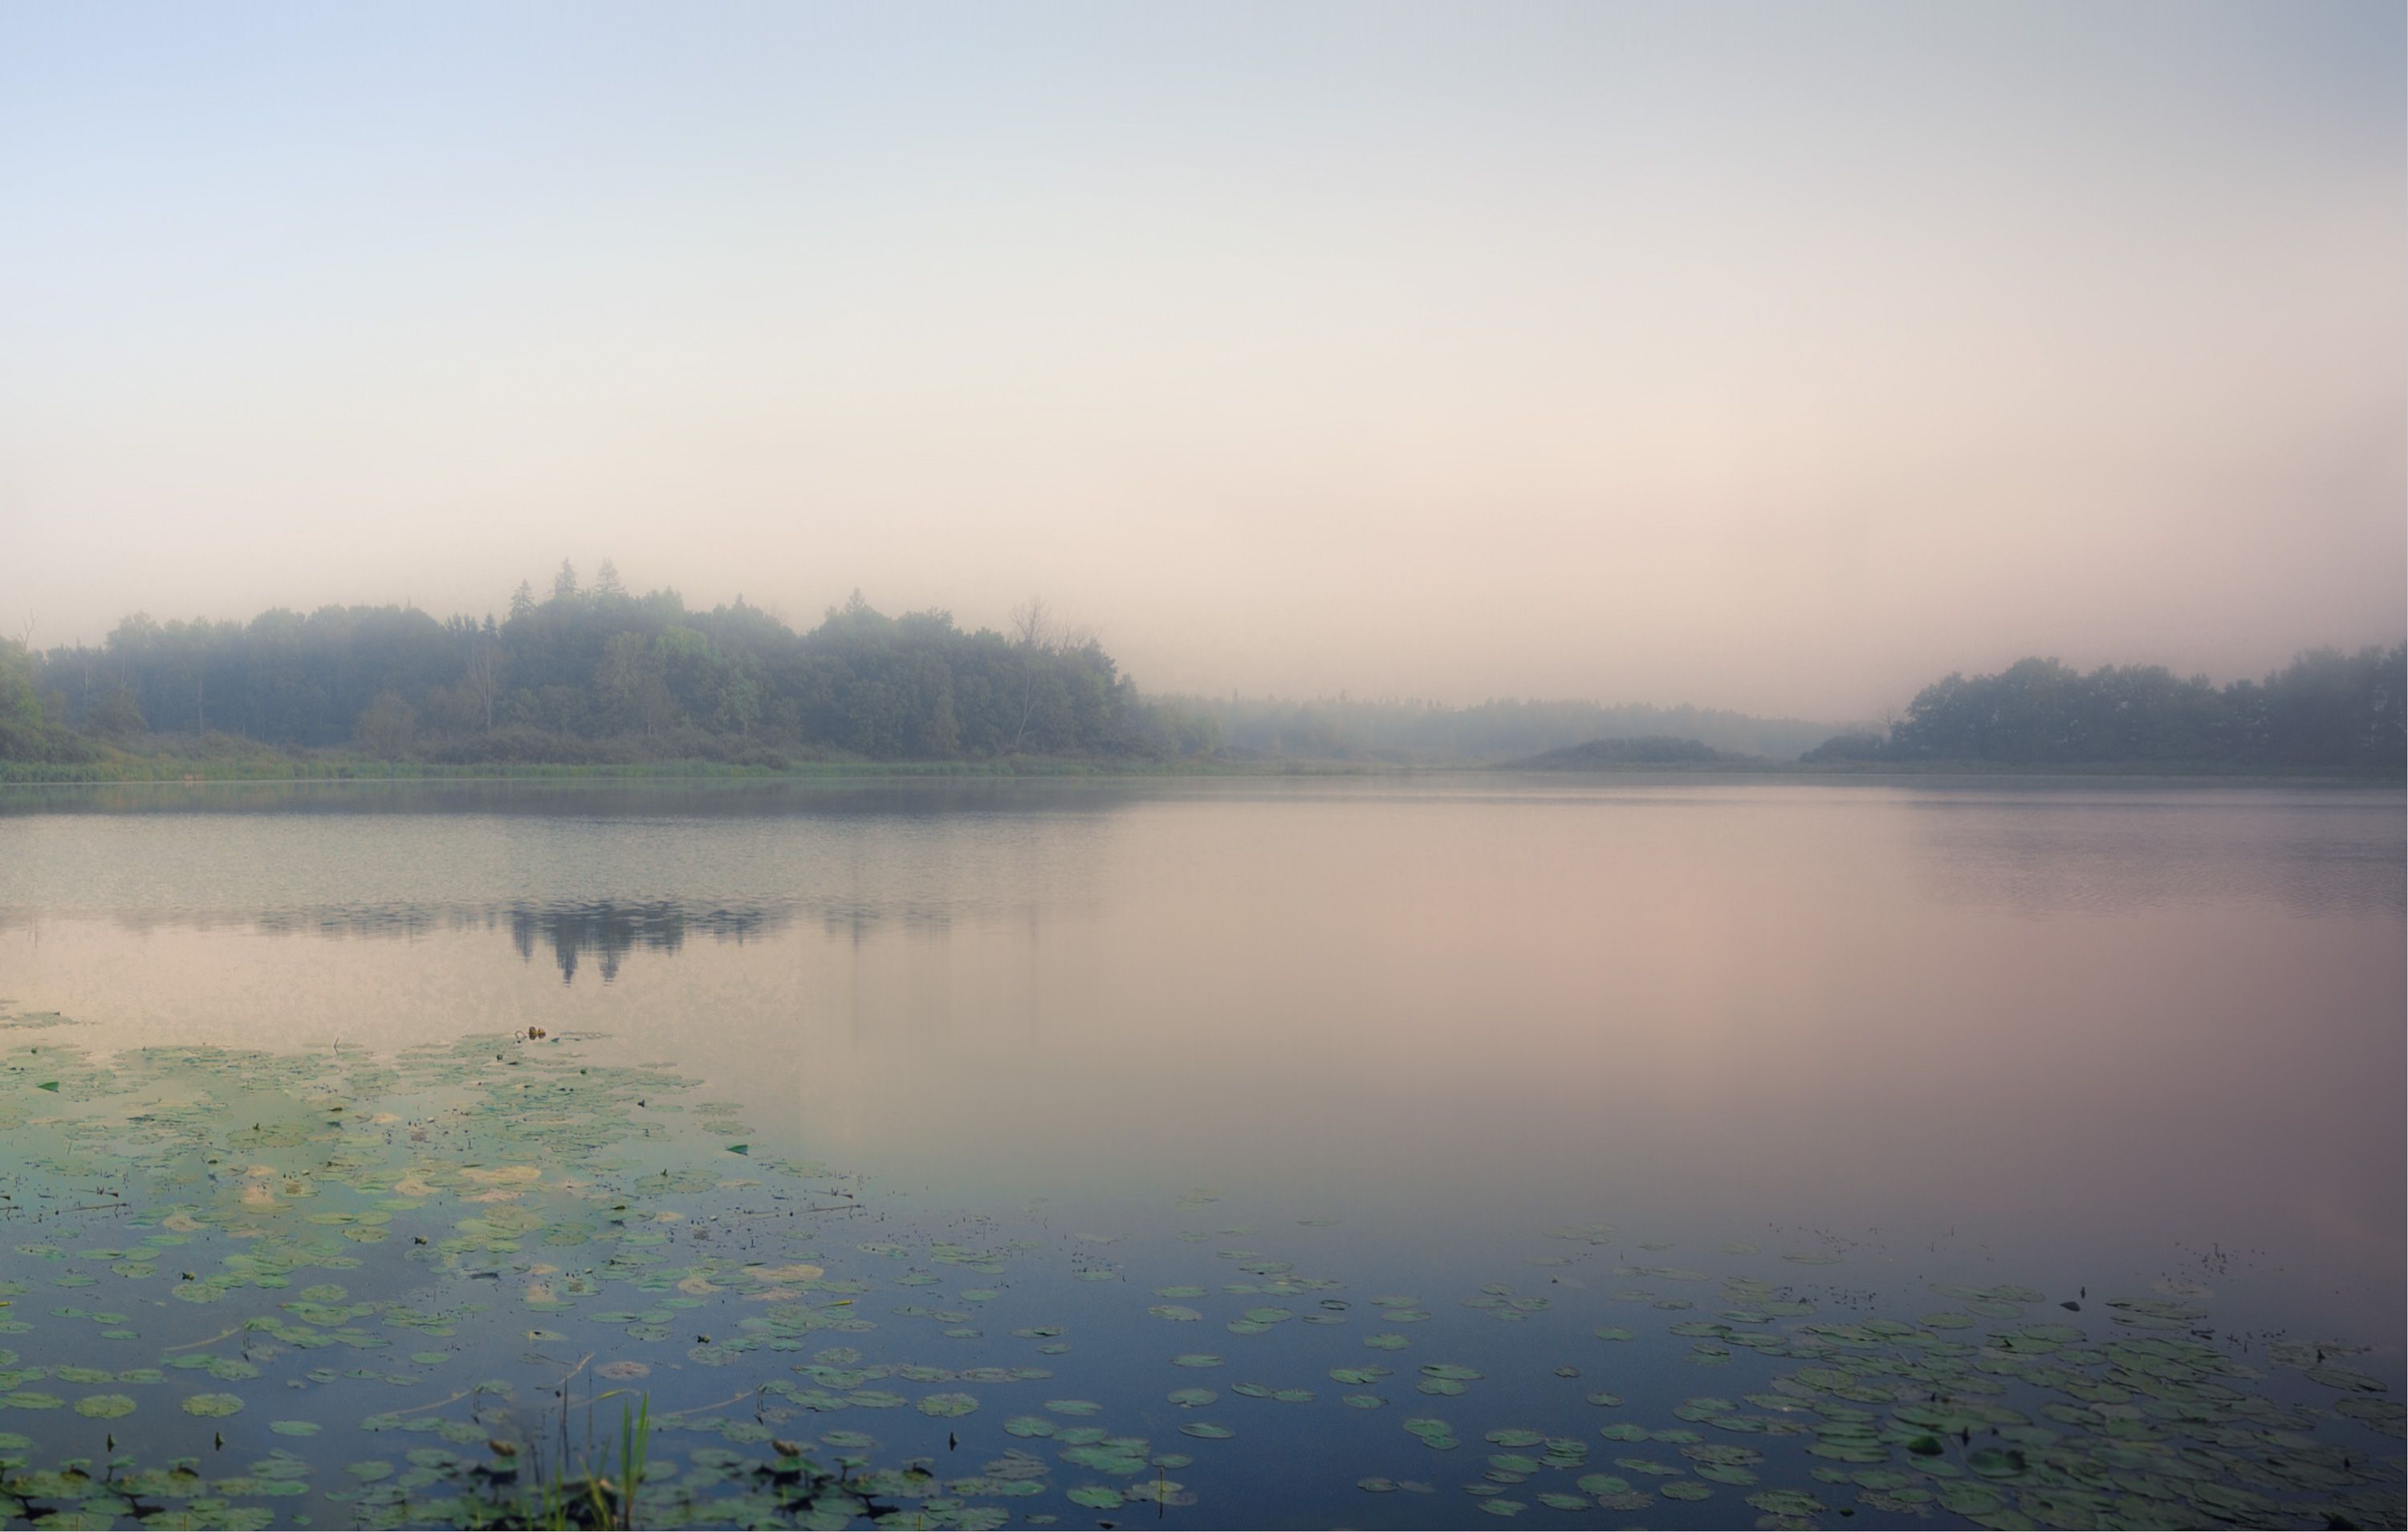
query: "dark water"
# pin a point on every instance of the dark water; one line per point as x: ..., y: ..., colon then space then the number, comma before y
x: 1852, y: 1040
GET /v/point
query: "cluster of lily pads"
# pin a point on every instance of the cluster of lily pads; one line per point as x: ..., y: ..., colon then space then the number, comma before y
x: 1992, y: 1405
x: 465, y: 1259
x: 426, y: 1288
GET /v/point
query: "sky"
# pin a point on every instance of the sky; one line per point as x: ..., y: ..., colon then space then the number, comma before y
x: 1777, y: 357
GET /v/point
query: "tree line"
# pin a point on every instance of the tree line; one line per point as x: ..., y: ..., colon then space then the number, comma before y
x: 592, y: 673
x: 2326, y: 710
x: 595, y: 673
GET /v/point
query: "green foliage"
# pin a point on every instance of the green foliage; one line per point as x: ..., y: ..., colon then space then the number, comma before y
x: 593, y: 676
x: 385, y: 725
x: 20, y: 709
x: 29, y: 730
x: 2326, y: 710
x: 118, y: 718
x: 598, y: 1496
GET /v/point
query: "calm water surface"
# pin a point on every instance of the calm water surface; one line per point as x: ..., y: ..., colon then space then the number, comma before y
x: 2072, y: 1038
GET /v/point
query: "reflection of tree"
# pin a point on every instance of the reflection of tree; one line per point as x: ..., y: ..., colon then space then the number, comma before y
x: 858, y: 921
x: 2043, y: 853
x: 614, y: 930
x: 610, y: 929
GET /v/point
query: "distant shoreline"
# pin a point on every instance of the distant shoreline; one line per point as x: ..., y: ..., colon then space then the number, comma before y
x: 174, y: 773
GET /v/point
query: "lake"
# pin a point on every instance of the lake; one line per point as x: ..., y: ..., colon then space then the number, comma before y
x: 1257, y: 1151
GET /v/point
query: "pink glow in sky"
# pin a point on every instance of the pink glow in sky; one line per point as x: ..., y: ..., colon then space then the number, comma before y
x: 1772, y: 357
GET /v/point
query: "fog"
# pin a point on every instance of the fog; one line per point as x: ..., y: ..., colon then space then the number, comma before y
x: 1770, y: 358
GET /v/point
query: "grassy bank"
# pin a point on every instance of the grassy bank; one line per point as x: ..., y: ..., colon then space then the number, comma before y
x: 276, y: 768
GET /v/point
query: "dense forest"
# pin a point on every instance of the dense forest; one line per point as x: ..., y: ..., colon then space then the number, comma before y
x: 2326, y: 710
x: 592, y: 674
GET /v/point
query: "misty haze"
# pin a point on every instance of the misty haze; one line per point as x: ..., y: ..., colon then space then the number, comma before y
x: 1207, y: 765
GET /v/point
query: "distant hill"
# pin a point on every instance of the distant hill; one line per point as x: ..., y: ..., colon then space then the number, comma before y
x: 1598, y: 754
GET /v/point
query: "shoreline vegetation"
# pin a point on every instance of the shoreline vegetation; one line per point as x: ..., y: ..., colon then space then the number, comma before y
x: 596, y: 683
x: 172, y: 772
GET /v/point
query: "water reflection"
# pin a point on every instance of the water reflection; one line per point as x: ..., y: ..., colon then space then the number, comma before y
x: 2092, y: 853
x: 607, y: 930
x: 612, y: 931
x: 2100, y: 1029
